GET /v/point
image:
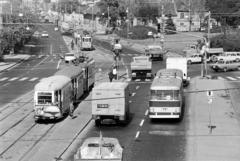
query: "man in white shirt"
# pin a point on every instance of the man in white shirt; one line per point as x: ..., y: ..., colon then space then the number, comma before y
x: 114, y: 72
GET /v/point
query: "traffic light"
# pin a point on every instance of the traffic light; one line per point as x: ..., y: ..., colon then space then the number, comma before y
x: 158, y: 27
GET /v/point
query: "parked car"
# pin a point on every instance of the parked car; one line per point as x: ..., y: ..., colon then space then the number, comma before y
x: 44, y: 34
x: 225, y: 65
x: 155, y: 52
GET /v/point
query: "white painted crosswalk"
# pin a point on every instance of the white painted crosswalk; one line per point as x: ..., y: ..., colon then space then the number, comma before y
x: 229, y: 78
x: 19, y: 79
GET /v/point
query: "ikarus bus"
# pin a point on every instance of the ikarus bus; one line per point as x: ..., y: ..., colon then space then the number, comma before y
x: 166, y: 95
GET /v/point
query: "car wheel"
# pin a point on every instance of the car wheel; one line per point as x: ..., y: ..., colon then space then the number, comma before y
x: 237, y: 60
x: 225, y: 69
x: 189, y: 62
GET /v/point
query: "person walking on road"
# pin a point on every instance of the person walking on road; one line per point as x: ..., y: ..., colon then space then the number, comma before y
x: 110, y: 75
x: 71, y: 109
x: 72, y: 45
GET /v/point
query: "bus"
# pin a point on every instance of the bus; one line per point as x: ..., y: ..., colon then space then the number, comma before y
x: 166, y: 95
x: 53, y: 95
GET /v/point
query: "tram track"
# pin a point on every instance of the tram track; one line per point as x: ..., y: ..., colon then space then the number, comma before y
x: 12, y: 112
x: 73, y: 140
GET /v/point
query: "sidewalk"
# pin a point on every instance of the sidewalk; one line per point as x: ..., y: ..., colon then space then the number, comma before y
x: 222, y: 143
x: 11, y: 61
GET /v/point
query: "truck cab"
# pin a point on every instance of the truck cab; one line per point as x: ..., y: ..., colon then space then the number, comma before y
x: 141, y: 67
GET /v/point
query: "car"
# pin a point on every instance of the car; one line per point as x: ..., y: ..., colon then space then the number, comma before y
x: 225, y: 65
x: 100, y: 148
x: 69, y: 57
x: 229, y: 56
x: 195, y: 58
x: 36, y: 34
x: 44, y: 34
x: 155, y: 52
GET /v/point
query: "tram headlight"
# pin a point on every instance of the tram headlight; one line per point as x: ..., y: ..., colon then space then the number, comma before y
x: 133, y: 74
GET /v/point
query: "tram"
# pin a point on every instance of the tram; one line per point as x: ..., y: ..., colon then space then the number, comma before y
x: 53, y: 95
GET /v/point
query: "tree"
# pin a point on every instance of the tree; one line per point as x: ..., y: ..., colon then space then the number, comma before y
x: 224, y: 11
x: 67, y: 6
x: 170, y: 27
x: 115, y: 8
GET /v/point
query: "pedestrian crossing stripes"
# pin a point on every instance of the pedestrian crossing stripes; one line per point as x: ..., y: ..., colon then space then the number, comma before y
x: 19, y: 79
x: 229, y: 78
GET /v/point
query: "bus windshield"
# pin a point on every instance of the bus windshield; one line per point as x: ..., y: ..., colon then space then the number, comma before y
x: 44, y: 98
x: 164, y: 94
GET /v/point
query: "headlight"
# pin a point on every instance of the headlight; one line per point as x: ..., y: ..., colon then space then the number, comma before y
x: 134, y: 74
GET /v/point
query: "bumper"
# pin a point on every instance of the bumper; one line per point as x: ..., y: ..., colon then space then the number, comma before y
x: 158, y: 115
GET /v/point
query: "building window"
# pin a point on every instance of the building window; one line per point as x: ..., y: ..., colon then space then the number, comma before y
x: 182, y: 15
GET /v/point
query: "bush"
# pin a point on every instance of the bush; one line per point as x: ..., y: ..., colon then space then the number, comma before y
x: 137, y: 32
x: 228, y: 43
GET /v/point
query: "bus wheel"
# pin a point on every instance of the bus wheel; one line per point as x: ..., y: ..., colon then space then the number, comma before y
x: 98, y: 122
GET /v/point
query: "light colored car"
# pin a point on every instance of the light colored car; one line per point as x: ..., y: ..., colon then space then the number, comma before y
x: 68, y: 57
x: 195, y: 58
x: 36, y: 34
x: 44, y: 34
x: 100, y: 148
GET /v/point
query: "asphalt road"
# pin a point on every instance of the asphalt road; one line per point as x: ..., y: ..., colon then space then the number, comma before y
x: 42, y: 63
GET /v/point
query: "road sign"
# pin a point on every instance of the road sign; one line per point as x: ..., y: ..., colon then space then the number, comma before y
x: 209, y: 93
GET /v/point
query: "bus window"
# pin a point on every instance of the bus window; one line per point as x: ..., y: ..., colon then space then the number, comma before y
x: 165, y: 94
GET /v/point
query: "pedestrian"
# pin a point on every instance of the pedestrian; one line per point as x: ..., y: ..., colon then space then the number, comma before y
x: 110, y: 75
x: 71, y: 109
x: 114, y: 71
x: 72, y: 44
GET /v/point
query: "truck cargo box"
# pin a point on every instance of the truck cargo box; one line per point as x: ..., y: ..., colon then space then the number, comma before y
x: 110, y: 100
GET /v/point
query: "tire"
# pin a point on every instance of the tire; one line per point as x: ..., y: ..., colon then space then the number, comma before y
x: 189, y: 62
x: 98, y: 122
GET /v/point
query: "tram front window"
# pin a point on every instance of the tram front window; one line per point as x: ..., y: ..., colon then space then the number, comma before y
x: 44, y: 98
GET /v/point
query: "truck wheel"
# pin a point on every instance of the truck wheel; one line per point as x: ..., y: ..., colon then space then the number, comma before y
x: 98, y: 122
x: 225, y: 69
x: 189, y: 62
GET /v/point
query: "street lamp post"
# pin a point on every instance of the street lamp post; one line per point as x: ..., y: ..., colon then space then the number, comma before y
x: 127, y: 22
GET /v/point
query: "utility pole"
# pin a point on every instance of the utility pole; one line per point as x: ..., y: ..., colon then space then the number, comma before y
x: 108, y: 16
x: 208, y: 40
x: 92, y: 14
x: 190, y: 19
x: 127, y: 23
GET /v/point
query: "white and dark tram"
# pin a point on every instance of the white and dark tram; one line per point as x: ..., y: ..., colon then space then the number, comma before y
x: 53, y: 95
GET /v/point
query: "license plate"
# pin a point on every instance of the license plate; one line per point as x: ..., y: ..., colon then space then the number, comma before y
x: 102, y: 105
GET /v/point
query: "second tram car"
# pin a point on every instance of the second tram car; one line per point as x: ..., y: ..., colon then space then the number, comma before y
x: 166, y: 95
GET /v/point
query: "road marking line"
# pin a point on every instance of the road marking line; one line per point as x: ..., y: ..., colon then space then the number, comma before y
x: 146, y: 113
x: 221, y: 78
x: 5, y: 84
x: 133, y: 94
x: 14, y: 78
x: 238, y: 77
x: 33, y: 79
x: 24, y: 78
x: 130, y: 101
x: 3, y: 79
x: 141, y: 123
x: 137, y: 134
x: 137, y: 87
x: 231, y: 78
